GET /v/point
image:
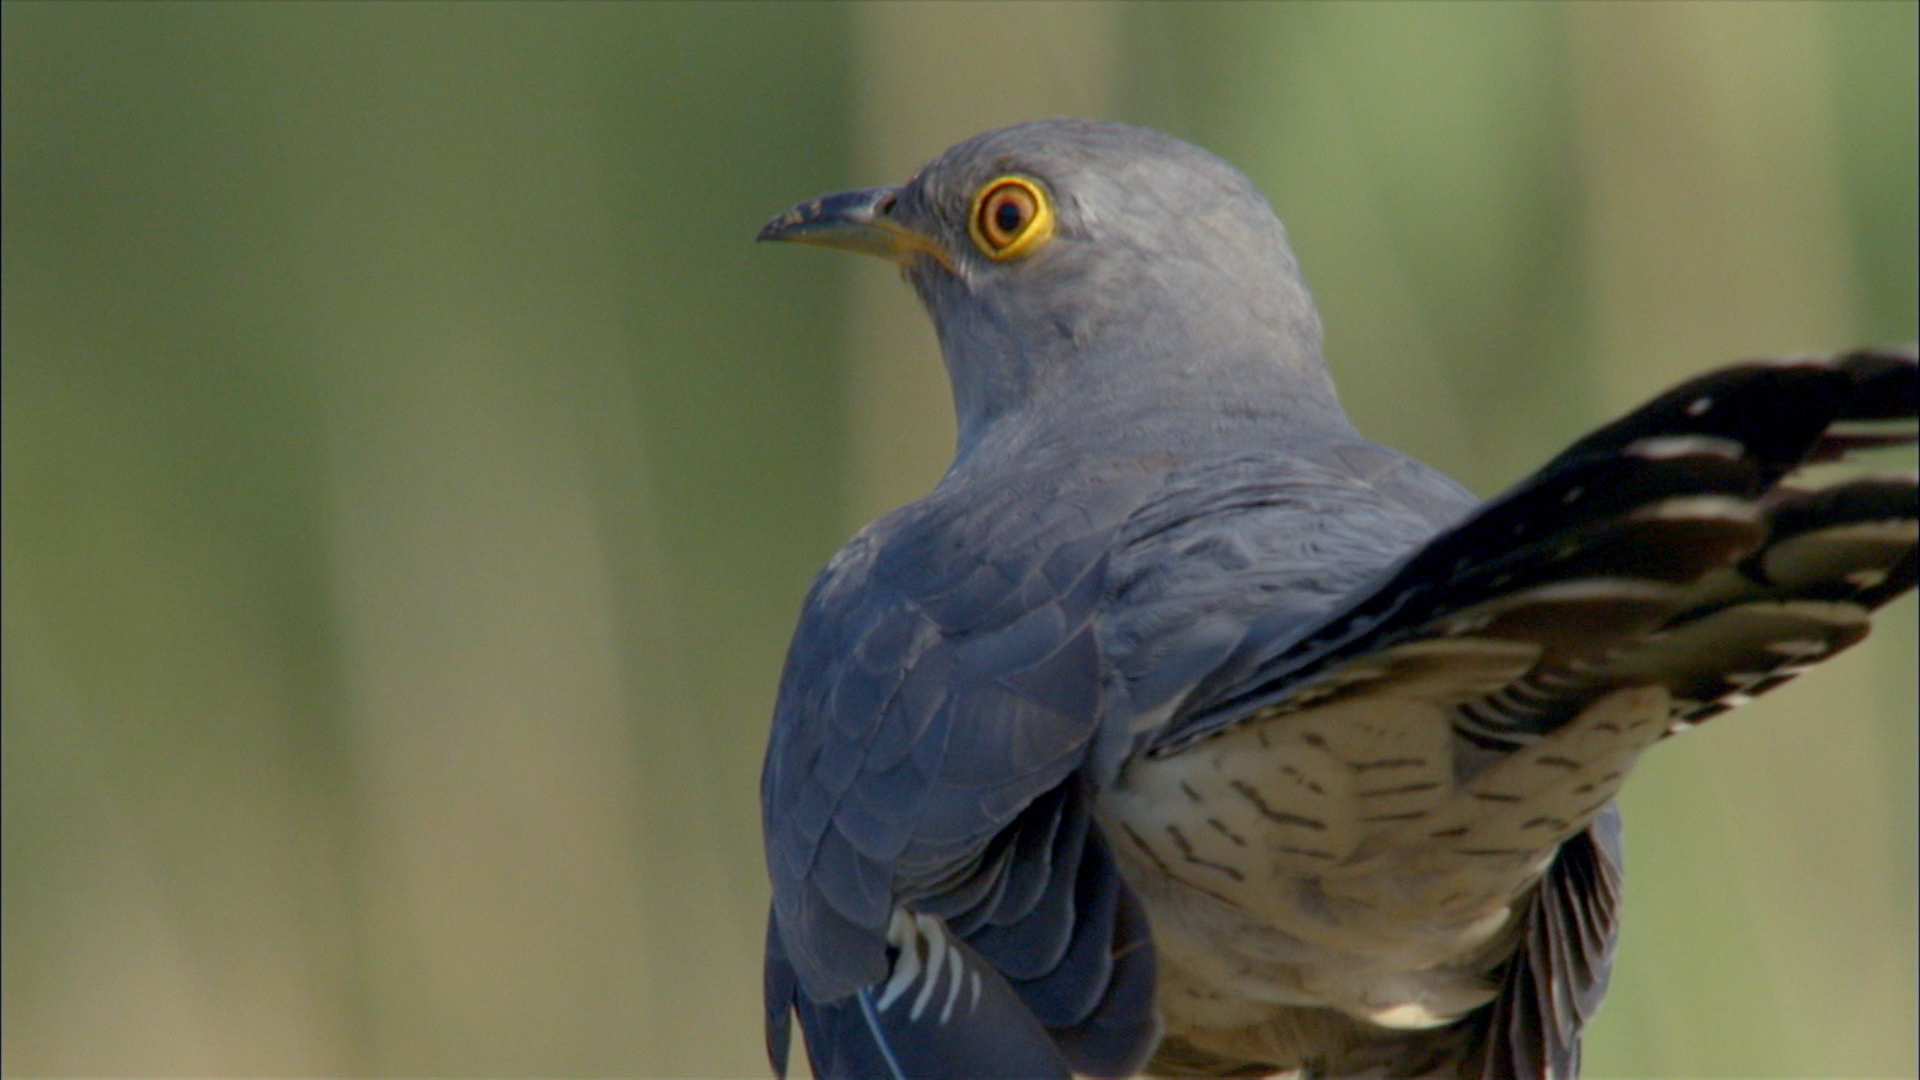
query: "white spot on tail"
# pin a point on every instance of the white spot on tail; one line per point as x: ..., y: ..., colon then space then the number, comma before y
x: 1802, y: 647
x: 1866, y: 579
x: 1411, y: 1016
x: 1662, y: 447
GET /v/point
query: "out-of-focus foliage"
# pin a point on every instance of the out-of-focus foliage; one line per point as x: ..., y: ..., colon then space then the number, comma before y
x: 412, y: 471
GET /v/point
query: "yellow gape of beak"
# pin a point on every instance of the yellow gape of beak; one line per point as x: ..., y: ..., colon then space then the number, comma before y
x: 854, y: 221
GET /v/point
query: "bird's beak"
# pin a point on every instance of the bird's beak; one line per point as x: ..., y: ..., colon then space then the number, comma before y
x: 854, y: 221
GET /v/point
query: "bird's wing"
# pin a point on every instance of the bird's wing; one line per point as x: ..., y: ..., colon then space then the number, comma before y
x: 1654, y: 574
x: 942, y: 904
x: 1655, y: 544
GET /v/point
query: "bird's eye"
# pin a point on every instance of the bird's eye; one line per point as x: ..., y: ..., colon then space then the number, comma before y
x: 1011, y: 217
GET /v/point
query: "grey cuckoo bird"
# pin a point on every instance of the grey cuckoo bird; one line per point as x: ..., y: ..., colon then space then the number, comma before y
x: 1182, y: 730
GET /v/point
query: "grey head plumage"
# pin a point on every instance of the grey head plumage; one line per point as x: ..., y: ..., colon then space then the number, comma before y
x: 1165, y: 278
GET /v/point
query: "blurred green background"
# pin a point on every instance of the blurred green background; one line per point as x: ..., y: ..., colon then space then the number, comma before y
x: 412, y: 470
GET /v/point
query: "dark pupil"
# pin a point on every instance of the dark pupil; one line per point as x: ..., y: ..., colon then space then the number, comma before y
x: 1007, y: 216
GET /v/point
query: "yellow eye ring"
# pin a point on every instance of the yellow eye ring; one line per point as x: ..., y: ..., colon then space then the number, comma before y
x: 1010, y: 217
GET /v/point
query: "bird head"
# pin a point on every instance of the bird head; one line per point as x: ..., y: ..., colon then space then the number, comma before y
x: 1092, y: 267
